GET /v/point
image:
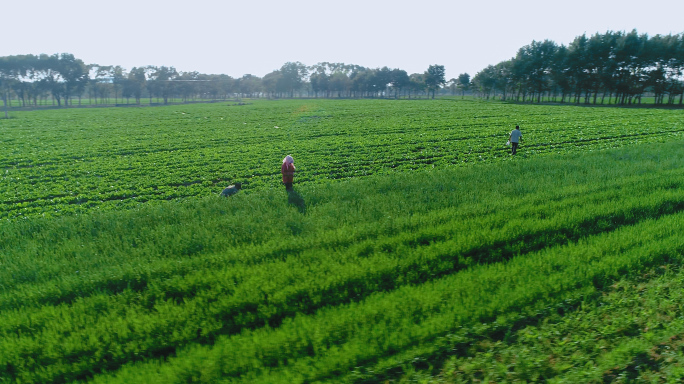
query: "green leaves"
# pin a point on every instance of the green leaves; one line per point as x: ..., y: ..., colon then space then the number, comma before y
x: 65, y: 162
x: 383, y: 271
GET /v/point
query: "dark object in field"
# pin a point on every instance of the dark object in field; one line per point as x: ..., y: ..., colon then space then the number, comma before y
x: 296, y: 200
x: 231, y: 190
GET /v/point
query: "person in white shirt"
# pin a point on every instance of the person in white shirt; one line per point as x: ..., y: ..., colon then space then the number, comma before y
x: 515, y: 138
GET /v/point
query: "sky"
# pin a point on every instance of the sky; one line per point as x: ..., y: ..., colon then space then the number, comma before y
x: 259, y: 36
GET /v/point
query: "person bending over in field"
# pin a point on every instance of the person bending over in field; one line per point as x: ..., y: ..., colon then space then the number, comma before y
x: 515, y: 138
x: 231, y: 190
x: 288, y: 170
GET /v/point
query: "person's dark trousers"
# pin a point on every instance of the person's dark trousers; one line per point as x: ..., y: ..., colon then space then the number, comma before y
x: 514, y: 148
x: 288, y: 186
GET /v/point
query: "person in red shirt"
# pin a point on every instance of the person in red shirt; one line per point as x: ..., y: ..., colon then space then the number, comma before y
x: 287, y: 170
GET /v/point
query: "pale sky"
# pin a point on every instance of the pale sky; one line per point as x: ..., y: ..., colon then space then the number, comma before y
x: 259, y: 36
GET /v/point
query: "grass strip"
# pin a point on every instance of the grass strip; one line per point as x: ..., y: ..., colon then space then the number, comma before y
x: 335, y: 340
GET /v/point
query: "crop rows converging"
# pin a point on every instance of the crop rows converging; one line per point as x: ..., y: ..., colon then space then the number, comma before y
x: 412, y: 238
x: 352, y: 281
x: 60, y: 162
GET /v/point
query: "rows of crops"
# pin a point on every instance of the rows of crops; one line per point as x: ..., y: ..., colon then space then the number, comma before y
x: 629, y: 333
x: 379, y: 276
x: 63, y: 161
x: 413, y: 247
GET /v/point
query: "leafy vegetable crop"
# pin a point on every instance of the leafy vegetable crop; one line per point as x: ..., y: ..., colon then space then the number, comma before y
x: 358, y: 280
x: 71, y: 161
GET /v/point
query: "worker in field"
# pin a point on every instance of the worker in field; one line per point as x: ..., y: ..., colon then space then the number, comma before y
x: 288, y: 170
x: 514, y: 139
x: 231, y: 190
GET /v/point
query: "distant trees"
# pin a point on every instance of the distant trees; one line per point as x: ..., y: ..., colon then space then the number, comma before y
x: 293, y: 77
x: 399, y: 80
x: 249, y: 86
x: 339, y: 83
x: 617, y: 66
x: 28, y: 76
x: 75, y: 75
x: 135, y: 84
x: 290, y: 78
x: 60, y: 78
x: 320, y: 82
x: 342, y: 80
x: 434, y: 78
x: 463, y: 83
x: 614, y: 67
x: 329, y: 79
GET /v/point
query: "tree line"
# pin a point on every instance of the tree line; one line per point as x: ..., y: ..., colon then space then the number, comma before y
x: 614, y: 67
x: 63, y: 79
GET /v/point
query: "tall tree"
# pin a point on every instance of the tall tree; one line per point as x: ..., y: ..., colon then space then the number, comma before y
x: 340, y: 83
x: 11, y: 69
x: 226, y: 85
x: 164, y: 77
x: 379, y: 81
x: 577, y: 63
x: 117, y: 75
x: 102, y: 82
x: 136, y: 83
x: 485, y: 81
x: 416, y: 83
x: 74, y: 74
x: 463, y: 83
x: 434, y: 78
x: 293, y: 76
x: 399, y: 80
x: 273, y: 83
x: 249, y: 85
x: 320, y: 82
x: 630, y: 72
x: 559, y: 73
x: 360, y: 81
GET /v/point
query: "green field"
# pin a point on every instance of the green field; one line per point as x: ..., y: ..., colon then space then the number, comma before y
x: 414, y: 248
x: 75, y: 160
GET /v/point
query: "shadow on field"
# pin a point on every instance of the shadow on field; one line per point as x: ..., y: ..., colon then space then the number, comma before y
x: 294, y: 198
